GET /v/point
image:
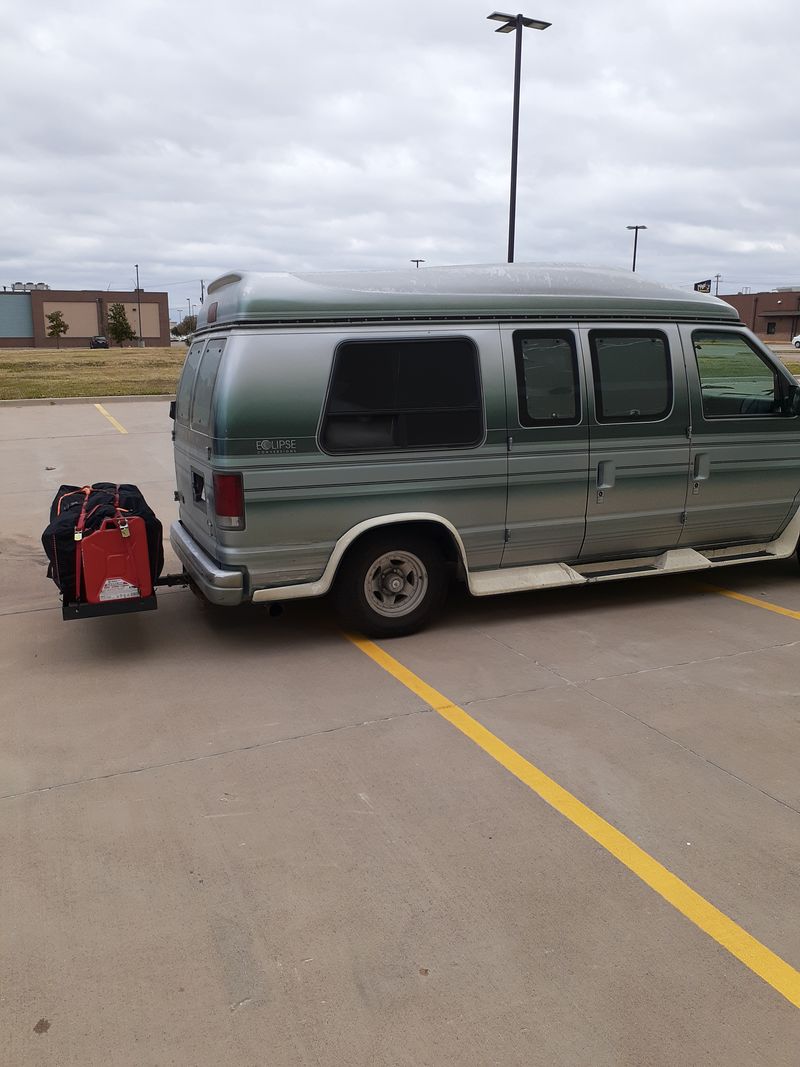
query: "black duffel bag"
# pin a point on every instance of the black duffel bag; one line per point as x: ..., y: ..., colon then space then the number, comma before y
x: 103, y: 500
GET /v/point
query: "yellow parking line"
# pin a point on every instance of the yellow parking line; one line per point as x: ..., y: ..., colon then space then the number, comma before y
x: 765, y: 604
x: 111, y: 418
x: 761, y: 960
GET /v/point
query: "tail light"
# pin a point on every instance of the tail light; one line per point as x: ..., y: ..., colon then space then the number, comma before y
x: 229, y: 501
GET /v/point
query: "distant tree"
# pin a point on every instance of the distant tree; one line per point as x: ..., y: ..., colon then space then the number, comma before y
x: 119, y: 329
x: 187, y: 325
x: 56, y: 326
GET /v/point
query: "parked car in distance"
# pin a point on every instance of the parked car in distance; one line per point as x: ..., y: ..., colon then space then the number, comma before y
x: 98, y: 342
x: 796, y: 341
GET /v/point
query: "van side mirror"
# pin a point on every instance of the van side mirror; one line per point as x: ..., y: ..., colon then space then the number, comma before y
x: 172, y: 410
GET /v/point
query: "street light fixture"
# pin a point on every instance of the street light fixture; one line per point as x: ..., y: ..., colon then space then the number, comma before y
x: 635, y: 241
x: 515, y: 23
x: 417, y: 261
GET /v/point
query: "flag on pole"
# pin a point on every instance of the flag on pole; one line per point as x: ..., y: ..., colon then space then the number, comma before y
x: 703, y: 287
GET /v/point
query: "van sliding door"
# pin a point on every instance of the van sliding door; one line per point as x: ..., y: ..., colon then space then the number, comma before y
x: 548, y: 460
x: 639, y: 431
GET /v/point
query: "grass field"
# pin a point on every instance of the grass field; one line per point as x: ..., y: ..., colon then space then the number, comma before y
x: 792, y: 362
x: 26, y: 373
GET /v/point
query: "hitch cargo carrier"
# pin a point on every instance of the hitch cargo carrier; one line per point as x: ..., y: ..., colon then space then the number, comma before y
x: 105, y: 549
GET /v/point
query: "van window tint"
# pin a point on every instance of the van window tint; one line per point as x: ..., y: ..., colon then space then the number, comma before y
x: 734, y: 378
x: 204, y: 386
x: 547, y: 378
x: 387, y: 395
x: 183, y: 400
x: 632, y: 375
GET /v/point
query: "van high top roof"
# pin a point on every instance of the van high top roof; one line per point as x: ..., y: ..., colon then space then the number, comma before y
x: 506, y: 291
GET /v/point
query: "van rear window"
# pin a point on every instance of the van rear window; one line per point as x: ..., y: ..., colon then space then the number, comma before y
x: 388, y: 395
x: 204, y: 386
x: 183, y: 400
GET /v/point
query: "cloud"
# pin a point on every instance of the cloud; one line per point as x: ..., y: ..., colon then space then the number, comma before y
x: 192, y: 140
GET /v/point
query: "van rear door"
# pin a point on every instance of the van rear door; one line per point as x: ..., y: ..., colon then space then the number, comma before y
x: 194, y: 433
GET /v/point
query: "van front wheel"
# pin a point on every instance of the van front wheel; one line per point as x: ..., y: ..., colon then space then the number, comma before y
x: 391, y: 584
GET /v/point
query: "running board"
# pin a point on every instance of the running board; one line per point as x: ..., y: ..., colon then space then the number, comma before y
x: 518, y: 579
x: 553, y: 575
x: 671, y: 562
x: 718, y: 560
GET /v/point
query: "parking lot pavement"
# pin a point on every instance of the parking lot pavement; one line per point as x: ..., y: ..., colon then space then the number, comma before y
x: 234, y: 839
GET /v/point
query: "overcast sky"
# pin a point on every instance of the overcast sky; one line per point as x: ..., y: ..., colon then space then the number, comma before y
x: 192, y: 138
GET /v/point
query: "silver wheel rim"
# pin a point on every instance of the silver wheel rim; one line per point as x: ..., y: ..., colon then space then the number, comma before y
x: 395, y: 584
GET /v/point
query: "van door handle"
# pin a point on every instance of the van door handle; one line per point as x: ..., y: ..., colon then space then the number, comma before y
x: 606, y: 474
x: 702, y: 467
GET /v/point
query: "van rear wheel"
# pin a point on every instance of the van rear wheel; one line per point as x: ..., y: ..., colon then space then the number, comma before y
x: 391, y: 584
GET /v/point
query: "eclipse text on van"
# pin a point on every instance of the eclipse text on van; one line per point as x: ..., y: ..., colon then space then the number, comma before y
x: 278, y: 444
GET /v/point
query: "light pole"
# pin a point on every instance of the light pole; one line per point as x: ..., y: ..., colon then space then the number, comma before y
x: 635, y: 242
x: 138, y: 307
x: 515, y: 23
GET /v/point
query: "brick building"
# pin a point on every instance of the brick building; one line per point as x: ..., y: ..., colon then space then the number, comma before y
x: 773, y: 316
x: 24, y: 310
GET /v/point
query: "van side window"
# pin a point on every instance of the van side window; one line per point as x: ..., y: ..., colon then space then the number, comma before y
x: 547, y: 378
x: 734, y: 378
x: 204, y: 386
x: 183, y: 400
x: 632, y: 375
x: 388, y: 395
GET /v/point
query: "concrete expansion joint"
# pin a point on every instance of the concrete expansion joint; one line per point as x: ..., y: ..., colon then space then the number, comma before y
x: 581, y: 683
x: 216, y: 755
x: 584, y: 684
x: 94, y: 436
x: 528, y: 659
x: 688, y: 663
x: 512, y: 693
x: 28, y: 611
x: 691, y: 751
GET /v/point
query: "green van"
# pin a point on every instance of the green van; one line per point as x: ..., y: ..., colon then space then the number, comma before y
x: 519, y: 427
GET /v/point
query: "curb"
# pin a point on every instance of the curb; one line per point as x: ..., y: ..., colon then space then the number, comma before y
x: 54, y: 400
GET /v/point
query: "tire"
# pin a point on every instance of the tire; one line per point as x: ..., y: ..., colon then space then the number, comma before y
x: 364, y: 595
x: 797, y: 344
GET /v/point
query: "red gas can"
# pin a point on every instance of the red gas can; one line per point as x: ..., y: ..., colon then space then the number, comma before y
x: 115, y: 561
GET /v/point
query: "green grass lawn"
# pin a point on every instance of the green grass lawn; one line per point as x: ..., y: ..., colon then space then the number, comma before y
x: 26, y: 373
x: 731, y: 358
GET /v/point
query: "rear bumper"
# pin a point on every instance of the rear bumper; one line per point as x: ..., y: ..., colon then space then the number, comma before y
x: 217, y: 584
